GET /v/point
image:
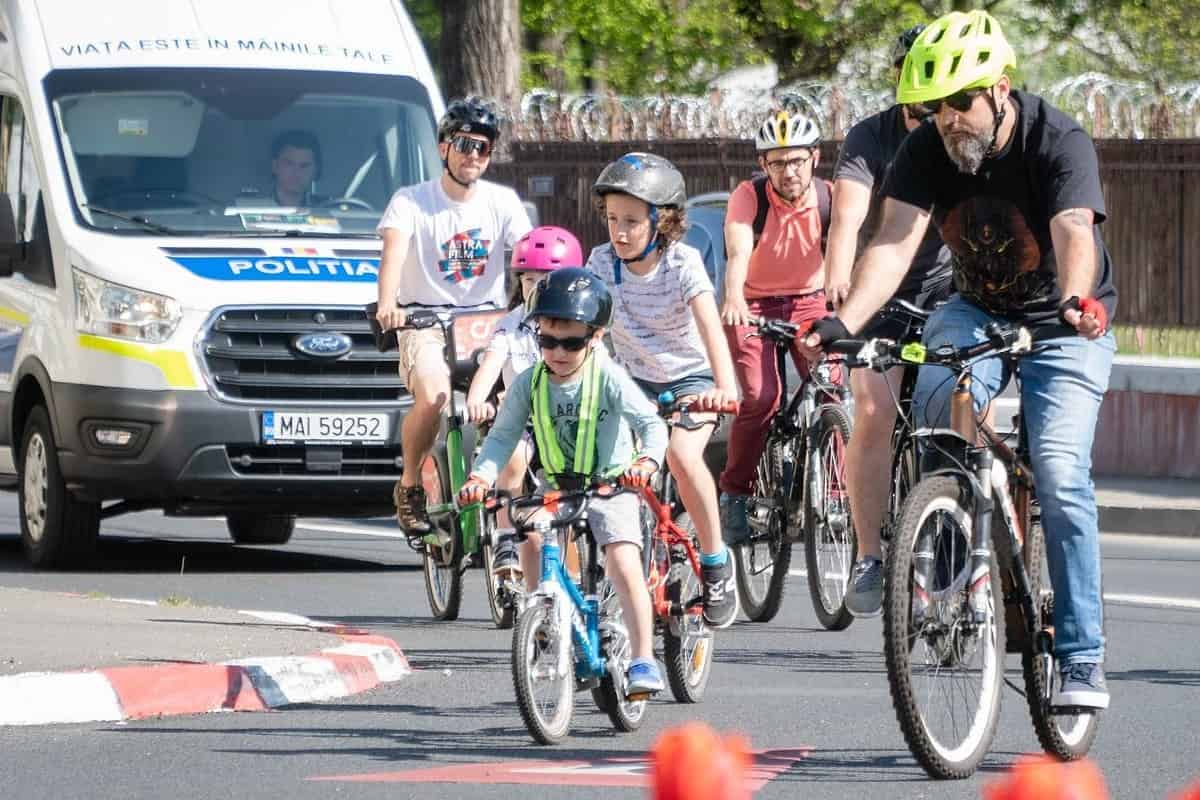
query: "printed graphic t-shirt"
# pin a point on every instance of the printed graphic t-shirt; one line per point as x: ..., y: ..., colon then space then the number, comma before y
x: 997, y: 222
x: 456, y: 257
x: 516, y: 343
x: 869, y: 148
x: 654, y: 333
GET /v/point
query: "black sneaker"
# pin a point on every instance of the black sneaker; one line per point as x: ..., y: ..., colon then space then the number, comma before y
x: 720, y: 593
x: 410, y: 509
x: 1082, y: 686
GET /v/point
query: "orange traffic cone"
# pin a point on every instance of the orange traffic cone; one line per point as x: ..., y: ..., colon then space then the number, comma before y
x: 1190, y: 793
x: 691, y: 763
x: 1046, y: 778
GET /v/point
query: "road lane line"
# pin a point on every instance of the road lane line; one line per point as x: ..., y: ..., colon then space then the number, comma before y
x: 355, y: 530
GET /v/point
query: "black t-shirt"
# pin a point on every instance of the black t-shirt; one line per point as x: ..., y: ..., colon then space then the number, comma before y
x: 997, y: 222
x: 869, y: 148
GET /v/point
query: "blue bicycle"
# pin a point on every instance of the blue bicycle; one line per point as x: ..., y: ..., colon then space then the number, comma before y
x: 569, y: 636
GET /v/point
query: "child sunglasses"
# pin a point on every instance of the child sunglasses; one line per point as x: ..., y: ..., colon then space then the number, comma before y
x: 572, y: 344
x: 466, y: 145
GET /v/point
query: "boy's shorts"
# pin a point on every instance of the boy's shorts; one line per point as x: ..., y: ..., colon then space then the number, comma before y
x: 697, y: 383
x: 616, y: 519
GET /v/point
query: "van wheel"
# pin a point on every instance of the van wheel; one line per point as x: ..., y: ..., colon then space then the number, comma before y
x: 260, y: 528
x: 56, y: 529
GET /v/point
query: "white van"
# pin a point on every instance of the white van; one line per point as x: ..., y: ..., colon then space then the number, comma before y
x: 177, y: 330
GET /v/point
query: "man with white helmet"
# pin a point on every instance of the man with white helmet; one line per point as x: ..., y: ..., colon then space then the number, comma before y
x: 774, y: 227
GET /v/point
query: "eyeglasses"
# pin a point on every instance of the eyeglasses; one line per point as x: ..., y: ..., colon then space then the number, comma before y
x: 959, y: 101
x: 782, y: 165
x: 572, y: 344
x: 466, y: 145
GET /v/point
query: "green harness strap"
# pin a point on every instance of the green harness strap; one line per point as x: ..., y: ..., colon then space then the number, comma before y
x: 585, y: 438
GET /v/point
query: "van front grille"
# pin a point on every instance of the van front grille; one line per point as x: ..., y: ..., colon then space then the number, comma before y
x: 358, y: 461
x: 249, y: 355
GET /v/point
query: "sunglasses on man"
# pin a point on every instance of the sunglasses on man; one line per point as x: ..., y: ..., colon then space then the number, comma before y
x: 466, y: 145
x: 959, y: 101
x: 572, y: 344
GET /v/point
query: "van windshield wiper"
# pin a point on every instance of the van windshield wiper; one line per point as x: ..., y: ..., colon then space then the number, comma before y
x: 145, y: 223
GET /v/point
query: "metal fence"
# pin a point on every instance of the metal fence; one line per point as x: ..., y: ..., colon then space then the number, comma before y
x: 1151, y: 188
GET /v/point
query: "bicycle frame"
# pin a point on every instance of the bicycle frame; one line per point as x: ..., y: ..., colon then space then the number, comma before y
x: 669, y: 534
x: 580, y: 612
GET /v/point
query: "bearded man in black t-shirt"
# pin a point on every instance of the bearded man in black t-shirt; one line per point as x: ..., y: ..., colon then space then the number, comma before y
x: 1013, y: 185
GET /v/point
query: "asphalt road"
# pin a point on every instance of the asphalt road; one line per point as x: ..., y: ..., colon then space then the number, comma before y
x: 818, y: 702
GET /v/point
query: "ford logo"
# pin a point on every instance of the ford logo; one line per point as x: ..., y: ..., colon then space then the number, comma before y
x: 323, y: 345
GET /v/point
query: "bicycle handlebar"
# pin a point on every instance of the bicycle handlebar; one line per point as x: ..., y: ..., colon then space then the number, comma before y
x: 575, y: 501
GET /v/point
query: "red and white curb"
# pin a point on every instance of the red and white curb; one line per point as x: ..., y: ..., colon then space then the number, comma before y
x: 360, y: 663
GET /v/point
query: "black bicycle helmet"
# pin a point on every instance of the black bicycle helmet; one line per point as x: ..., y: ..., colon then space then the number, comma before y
x: 469, y: 115
x: 650, y: 178
x: 572, y: 293
x: 904, y: 43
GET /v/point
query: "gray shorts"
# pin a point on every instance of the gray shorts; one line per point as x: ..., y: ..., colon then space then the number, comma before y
x: 616, y: 519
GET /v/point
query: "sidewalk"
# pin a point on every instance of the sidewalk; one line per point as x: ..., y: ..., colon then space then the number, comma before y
x: 106, y: 659
x: 1152, y: 506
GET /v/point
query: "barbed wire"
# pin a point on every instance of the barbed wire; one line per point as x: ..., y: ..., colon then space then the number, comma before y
x: 1106, y: 107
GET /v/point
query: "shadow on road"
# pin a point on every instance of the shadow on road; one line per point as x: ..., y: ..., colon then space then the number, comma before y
x: 138, y: 554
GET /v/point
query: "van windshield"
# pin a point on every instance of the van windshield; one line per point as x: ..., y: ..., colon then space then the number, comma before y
x: 239, y: 152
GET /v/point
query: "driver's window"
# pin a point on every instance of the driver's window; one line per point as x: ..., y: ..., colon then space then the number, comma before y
x: 12, y: 129
x: 23, y: 226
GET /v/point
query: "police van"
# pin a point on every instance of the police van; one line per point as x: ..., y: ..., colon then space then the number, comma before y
x: 187, y: 238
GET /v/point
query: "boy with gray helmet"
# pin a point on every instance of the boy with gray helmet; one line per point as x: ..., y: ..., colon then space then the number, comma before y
x: 667, y: 332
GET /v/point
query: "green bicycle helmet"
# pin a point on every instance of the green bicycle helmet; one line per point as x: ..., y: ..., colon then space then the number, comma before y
x: 955, y: 52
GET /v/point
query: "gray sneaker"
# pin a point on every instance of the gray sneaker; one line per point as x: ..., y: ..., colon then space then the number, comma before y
x: 864, y: 593
x: 734, y: 527
x: 1082, y: 686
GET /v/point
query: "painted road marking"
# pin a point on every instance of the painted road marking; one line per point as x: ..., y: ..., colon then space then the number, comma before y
x: 618, y: 771
x: 356, y: 530
x: 1151, y: 600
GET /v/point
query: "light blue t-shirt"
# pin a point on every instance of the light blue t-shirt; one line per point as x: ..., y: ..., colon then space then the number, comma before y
x: 623, y: 410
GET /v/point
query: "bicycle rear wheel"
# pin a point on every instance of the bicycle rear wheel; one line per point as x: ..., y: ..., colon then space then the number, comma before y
x: 829, y: 542
x: 545, y: 688
x: 626, y: 715
x: 1066, y: 736
x: 763, y: 560
x: 944, y: 669
x: 687, y: 641
x: 442, y: 562
x: 503, y: 592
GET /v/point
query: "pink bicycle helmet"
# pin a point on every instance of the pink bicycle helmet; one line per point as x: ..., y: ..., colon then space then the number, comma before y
x: 546, y: 249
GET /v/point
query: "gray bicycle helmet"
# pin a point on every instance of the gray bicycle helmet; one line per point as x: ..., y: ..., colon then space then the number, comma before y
x: 650, y: 178
x: 572, y: 293
x: 904, y: 43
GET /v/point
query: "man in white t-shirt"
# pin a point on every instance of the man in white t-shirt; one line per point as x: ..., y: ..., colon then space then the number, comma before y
x: 443, y: 247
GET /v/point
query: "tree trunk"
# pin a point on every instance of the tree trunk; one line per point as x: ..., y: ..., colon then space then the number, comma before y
x: 480, y: 50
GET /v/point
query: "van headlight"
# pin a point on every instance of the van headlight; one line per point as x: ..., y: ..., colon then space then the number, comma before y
x: 110, y: 309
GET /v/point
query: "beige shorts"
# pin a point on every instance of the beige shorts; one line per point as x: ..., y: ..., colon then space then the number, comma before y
x: 411, y: 343
x: 616, y: 519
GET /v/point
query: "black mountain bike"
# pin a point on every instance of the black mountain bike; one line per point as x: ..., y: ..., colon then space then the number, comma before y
x: 964, y: 585
x: 800, y: 494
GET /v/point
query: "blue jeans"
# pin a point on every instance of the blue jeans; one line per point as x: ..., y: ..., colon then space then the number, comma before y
x: 1061, y: 390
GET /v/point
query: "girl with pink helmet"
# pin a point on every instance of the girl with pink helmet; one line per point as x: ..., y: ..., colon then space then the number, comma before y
x: 513, y: 350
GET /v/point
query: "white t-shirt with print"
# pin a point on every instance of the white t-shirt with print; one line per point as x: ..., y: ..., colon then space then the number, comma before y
x: 457, y: 254
x: 654, y: 333
x: 516, y: 343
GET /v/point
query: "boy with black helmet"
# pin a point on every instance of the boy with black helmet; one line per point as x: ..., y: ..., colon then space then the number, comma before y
x: 667, y: 333
x: 443, y: 247
x: 585, y: 411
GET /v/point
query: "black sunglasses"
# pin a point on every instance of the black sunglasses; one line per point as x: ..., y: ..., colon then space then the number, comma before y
x: 572, y: 344
x: 466, y: 145
x: 959, y: 101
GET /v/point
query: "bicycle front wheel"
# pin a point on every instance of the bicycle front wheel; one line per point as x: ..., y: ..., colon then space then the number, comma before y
x: 829, y: 542
x: 763, y: 560
x: 944, y: 668
x: 545, y: 688
x: 687, y: 641
x: 441, y: 559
